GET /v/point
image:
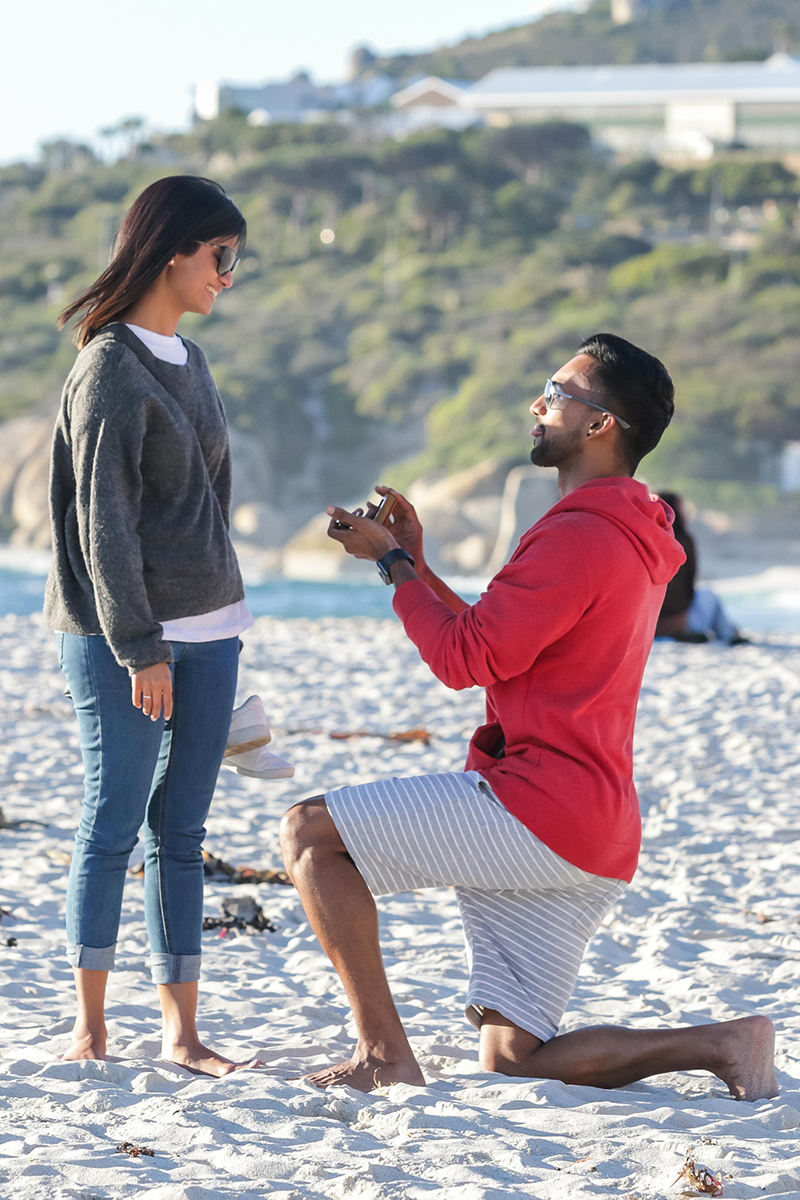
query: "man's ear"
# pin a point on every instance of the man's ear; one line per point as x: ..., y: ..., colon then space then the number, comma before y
x: 605, y: 423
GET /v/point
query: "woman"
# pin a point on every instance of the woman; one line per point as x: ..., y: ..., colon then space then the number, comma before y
x: 146, y: 596
x: 689, y: 613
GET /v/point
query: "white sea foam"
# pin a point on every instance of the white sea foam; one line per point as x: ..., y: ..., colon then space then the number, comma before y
x: 708, y: 930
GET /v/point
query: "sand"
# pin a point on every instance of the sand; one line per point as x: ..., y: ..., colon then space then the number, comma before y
x: 708, y: 930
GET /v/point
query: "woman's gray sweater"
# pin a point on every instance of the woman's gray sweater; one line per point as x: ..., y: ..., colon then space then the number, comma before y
x: 140, y: 492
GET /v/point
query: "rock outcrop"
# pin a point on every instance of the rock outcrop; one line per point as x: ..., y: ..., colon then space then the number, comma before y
x: 472, y: 519
x: 472, y: 522
x: 24, y: 474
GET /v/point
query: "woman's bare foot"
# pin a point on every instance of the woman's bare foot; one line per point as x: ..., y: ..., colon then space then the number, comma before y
x: 746, y: 1054
x: 198, y: 1059
x: 364, y: 1073
x: 84, y: 1046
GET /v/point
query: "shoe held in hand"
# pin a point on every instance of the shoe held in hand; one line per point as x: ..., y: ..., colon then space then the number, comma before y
x: 260, y: 764
x: 249, y: 728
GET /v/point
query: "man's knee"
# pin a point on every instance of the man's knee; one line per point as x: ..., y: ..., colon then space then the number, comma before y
x: 505, y: 1060
x: 307, y: 826
x: 492, y: 1058
x: 504, y: 1047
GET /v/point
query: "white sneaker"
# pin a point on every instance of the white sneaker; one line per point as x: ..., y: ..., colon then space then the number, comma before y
x: 249, y: 728
x: 260, y: 764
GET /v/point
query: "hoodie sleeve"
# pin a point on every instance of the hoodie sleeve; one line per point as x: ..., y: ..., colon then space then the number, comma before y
x: 107, y: 433
x: 533, y: 601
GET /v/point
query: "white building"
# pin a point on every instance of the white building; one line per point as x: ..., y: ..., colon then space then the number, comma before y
x: 432, y: 101
x: 652, y: 108
x: 298, y: 99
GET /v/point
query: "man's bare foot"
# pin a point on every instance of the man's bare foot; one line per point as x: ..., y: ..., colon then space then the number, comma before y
x: 365, y: 1073
x: 746, y: 1055
x: 85, y: 1046
x: 198, y: 1059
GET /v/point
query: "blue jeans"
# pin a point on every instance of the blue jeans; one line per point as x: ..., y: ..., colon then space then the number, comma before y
x: 137, y: 771
x: 707, y: 615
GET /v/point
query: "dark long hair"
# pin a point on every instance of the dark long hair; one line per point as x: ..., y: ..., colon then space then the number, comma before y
x: 674, y: 501
x: 172, y: 216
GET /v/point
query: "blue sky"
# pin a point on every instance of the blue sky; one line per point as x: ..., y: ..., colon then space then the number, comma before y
x: 70, y: 68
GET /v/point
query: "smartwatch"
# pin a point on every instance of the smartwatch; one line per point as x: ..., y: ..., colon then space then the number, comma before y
x: 386, y: 563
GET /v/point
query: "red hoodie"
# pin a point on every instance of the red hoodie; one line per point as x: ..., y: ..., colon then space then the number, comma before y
x: 560, y: 640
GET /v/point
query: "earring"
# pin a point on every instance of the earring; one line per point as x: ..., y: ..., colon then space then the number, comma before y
x: 171, y: 262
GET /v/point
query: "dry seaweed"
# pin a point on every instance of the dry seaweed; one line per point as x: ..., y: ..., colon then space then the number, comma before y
x: 402, y: 735
x: 135, y: 1151
x: 214, y: 867
x: 699, y: 1180
x: 217, y: 868
x: 239, y: 914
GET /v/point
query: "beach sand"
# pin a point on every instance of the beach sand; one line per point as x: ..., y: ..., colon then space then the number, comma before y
x: 708, y: 930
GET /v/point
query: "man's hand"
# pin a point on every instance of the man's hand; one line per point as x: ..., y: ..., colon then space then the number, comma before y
x: 404, y: 524
x: 151, y: 689
x: 360, y: 536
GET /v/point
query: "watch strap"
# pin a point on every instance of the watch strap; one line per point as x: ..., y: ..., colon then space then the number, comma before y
x: 386, y: 563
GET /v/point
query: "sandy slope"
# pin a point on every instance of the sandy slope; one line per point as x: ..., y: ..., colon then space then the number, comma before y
x: 709, y: 929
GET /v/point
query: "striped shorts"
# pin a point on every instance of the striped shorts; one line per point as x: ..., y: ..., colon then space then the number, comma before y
x: 527, y: 913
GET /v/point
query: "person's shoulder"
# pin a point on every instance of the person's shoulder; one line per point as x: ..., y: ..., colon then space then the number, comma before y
x: 201, y: 371
x: 103, y: 355
x: 552, y: 531
x: 551, y: 548
x: 196, y: 356
x: 105, y: 377
x: 587, y: 525
x: 567, y: 544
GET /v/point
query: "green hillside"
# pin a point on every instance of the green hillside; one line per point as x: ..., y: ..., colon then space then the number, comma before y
x: 679, y: 31
x: 453, y: 288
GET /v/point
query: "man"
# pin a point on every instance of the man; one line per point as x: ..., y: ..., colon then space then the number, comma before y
x: 541, y: 832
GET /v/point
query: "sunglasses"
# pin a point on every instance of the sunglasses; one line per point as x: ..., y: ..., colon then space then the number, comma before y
x: 553, y: 392
x: 227, y: 259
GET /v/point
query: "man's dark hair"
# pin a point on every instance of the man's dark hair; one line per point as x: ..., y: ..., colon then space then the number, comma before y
x: 635, y: 384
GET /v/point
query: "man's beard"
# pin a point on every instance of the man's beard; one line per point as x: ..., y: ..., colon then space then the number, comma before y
x: 554, y: 449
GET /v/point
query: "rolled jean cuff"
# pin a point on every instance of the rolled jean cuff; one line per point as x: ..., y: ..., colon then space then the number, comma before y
x: 91, y: 958
x: 175, y: 968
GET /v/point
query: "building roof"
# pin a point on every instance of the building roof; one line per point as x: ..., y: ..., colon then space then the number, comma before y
x: 449, y: 90
x: 775, y: 80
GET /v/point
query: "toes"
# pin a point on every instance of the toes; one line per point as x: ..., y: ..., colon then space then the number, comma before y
x: 324, y: 1079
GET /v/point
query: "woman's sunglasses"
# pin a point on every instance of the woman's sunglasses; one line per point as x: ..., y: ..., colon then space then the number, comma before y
x: 227, y: 259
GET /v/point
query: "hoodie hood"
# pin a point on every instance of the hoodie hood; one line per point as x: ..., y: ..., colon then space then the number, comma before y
x: 644, y: 519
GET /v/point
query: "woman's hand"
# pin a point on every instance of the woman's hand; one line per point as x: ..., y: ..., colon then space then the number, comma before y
x: 152, y: 690
x: 405, y: 525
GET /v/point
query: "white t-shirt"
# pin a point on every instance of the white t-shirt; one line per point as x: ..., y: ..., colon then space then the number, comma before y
x: 168, y: 349
x: 225, y: 622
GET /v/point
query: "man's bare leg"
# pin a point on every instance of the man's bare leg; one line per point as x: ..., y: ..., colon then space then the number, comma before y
x: 739, y: 1052
x: 342, y: 913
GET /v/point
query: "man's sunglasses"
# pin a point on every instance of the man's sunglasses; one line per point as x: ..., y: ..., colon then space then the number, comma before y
x: 227, y: 260
x: 553, y: 392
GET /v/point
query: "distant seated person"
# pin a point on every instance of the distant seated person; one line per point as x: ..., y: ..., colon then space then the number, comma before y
x: 689, y: 613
